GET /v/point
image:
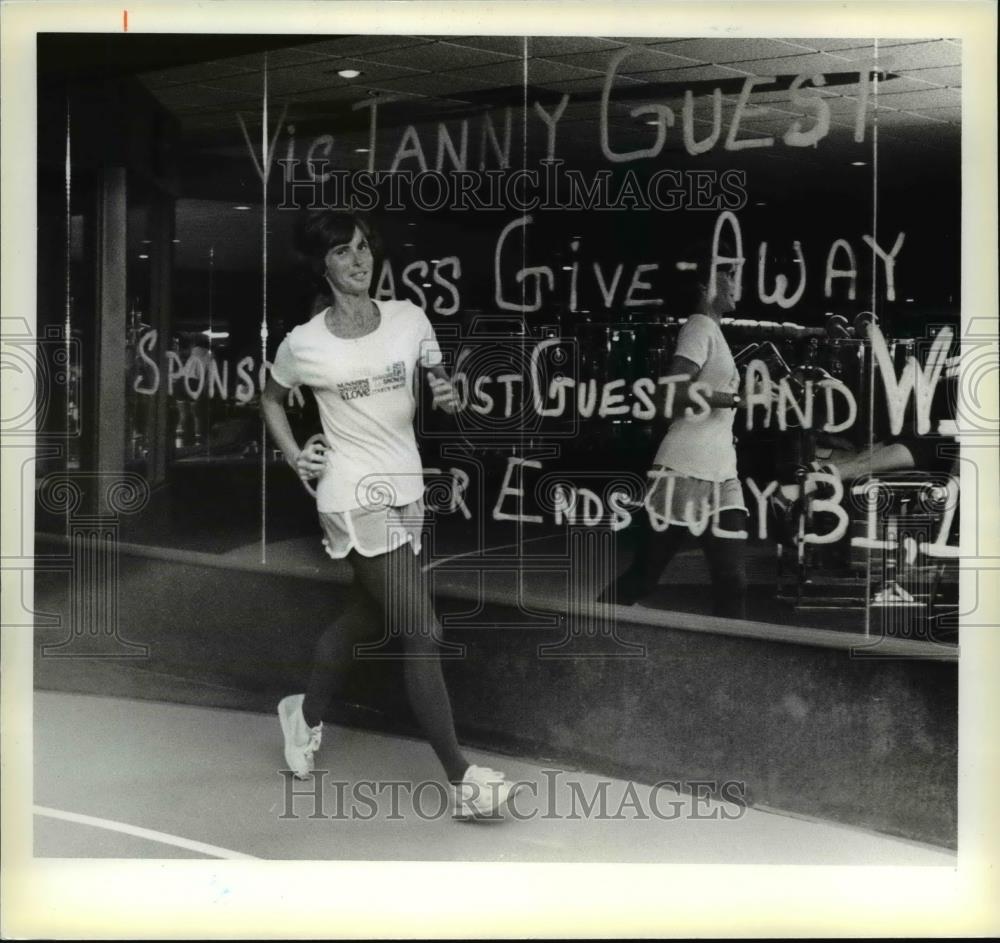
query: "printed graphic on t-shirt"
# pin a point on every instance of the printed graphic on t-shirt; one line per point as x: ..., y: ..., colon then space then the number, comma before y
x: 352, y: 389
x: 392, y: 378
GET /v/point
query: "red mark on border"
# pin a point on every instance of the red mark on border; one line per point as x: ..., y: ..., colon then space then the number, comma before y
x: 125, y: 19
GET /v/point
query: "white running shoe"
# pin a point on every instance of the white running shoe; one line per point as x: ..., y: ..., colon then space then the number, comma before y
x: 482, y: 795
x: 301, y: 740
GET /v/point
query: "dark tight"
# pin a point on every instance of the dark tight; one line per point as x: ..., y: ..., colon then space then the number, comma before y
x: 394, y: 594
x: 333, y: 657
x: 655, y: 550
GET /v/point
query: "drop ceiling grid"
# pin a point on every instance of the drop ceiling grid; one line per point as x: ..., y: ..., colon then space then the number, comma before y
x: 398, y: 65
x: 722, y: 51
x: 361, y: 45
x: 433, y: 55
x: 642, y: 59
x: 594, y: 62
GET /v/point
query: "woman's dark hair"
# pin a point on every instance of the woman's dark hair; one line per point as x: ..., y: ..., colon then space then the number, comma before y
x: 689, y: 275
x: 685, y: 289
x: 320, y: 231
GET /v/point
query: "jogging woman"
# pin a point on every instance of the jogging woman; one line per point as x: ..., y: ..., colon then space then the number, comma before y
x: 363, y: 361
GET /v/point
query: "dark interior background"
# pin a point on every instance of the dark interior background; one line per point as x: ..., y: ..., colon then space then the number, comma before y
x: 183, y: 116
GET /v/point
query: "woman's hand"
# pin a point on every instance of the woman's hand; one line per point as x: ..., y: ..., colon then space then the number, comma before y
x: 310, y: 463
x: 765, y: 389
x: 444, y: 394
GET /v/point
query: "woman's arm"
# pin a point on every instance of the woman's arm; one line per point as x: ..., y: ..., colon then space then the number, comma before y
x: 309, y: 462
x: 445, y: 397
x: 688, y: 370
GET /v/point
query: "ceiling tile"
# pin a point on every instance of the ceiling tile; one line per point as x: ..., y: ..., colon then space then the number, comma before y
x: 695, y: 73
x: 439, y: 57
x: 928, y: 98
x: 576, y: 109
x: 848, y: 42
x: 658, y: 40
x: 198, y: 96
x: 764, y: 98
x: 894, y: 119
x: 642, y: 59
x: 774, y: 126
x: 361, y: 45
x: 890, y: 86
x: 790, y: 65
x: 537, y: 46
x: 589, y: 129
x: 731, y: 50
x: 430, y: 84
x: 277, y: 84
x: 507, y: 45
x: 370, y: 68
x: 191, y: 73
x: 338, y: 97
x: 547, y: 70
x: 594, y: 84
x: 950, y: 76
x: 843, y: 105
x: 295, y: 55
x: 549, y: 46
x: 947, y: 114
x: 777, y: 113
x: 321, y: 73
x: 936, y: 53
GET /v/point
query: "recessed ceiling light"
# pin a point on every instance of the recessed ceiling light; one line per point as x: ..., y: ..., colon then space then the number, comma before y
x: 348, y: 73
x: 241, y: 207
x: 361, y: 150
x: 859, y: 163
x: 143, y: 256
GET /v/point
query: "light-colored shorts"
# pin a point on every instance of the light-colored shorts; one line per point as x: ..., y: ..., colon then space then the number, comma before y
x: 677, y: 499
x: 372, y: 531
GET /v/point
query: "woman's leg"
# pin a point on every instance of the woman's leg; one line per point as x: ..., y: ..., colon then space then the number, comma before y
x: 334, y: 654
x: 396, y: 582
x: 301, y: 716
x: 653, y: 551
x: 726, y: 565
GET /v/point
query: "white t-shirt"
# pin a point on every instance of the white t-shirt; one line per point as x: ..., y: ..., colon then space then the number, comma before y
x: 364, y: 389
x: 703, y: 448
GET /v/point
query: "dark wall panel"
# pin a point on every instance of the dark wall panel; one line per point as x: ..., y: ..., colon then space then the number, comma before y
x: 809, y: 728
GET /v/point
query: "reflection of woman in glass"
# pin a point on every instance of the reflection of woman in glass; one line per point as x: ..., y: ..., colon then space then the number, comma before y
x: 693, y: 478
x: 361, y: 359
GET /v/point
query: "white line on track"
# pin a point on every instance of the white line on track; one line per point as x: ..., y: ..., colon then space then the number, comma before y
x: 147, y: 833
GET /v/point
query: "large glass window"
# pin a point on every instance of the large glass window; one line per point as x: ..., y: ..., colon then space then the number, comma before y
x: 538, y: 198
